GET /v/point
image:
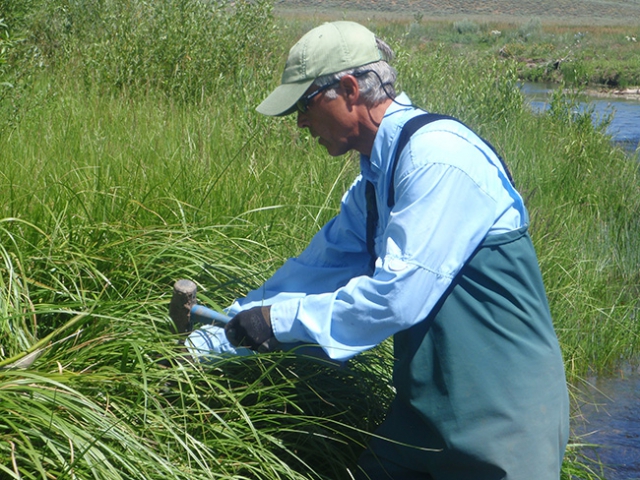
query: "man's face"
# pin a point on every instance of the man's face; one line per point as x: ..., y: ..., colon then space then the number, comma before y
x: 332, y: 121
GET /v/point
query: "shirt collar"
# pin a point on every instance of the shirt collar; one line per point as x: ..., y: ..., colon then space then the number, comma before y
x: 393, y: 119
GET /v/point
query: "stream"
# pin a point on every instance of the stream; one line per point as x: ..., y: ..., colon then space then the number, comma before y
x: 609, y: 416
x: 625, y: 124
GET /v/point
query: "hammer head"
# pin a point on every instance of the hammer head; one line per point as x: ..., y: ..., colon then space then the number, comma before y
x: 183, y: 299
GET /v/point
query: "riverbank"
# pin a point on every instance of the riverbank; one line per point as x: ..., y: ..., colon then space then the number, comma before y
x: 620, y: 113
x: 632, y: 93
x: 571, y: 43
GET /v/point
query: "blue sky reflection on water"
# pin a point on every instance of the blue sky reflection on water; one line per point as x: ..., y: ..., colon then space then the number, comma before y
x: 625, y: 123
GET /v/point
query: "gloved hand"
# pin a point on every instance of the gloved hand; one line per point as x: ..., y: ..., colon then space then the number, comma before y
x: 209, y: 343
x: 252, y: 328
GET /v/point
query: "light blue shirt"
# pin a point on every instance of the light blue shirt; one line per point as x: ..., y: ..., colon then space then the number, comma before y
x: 451, y: 191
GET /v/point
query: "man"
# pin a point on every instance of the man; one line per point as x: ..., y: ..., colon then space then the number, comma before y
x: 430, y: 247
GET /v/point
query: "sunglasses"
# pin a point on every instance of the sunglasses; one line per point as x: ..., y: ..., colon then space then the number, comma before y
x: 303, y: 102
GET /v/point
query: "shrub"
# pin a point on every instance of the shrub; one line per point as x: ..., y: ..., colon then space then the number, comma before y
x: 575, y: 72
x: 532, y: 28
x: 181, y: 47
x: 466, y: 26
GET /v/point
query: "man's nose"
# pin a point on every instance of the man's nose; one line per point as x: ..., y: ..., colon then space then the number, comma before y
x: 303, y: 120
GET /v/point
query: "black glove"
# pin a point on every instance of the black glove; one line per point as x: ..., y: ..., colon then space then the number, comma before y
x: 252, y: 328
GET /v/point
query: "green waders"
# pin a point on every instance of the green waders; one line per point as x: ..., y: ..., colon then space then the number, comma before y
x: 481, y: 390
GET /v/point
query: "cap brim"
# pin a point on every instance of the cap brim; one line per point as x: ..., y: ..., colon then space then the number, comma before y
x: 282, y: 101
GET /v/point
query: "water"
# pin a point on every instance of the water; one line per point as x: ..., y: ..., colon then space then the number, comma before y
x: 625, y: 125
x: 610, y: 406
x: 611, y: 419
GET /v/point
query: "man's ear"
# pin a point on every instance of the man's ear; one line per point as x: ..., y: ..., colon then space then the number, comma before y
x: 350, y: 89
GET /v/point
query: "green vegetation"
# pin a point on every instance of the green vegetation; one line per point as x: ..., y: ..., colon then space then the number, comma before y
x: 586, y: 43
x: 131, y: 156
x: 595, y: 57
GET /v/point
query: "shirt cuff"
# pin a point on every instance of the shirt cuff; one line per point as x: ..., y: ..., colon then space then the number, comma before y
x: 285, y: 327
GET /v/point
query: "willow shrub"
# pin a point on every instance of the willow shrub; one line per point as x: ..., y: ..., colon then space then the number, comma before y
x: 186, y: 49
x: 181, y: 47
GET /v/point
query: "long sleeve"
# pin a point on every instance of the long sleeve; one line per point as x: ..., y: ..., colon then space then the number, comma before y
x: 449, y: 195
x: 335, y: 255
x: 431, y: 233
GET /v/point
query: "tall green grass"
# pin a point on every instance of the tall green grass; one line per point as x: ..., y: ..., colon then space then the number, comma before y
x: 126, y: 166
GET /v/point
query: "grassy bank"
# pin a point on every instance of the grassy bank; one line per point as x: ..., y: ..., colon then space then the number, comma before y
x: 597, y: 56
x: 131, y: 156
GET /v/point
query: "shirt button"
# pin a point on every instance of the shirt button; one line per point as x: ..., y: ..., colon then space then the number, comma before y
x: 396, y: 265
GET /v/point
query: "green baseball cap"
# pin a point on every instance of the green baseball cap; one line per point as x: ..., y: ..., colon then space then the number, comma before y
x: 329, y: 48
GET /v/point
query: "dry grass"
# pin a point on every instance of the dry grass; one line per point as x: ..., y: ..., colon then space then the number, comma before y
x: 579, y: 12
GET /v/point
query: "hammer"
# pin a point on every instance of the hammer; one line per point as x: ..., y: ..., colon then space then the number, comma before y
x: 184, y: 308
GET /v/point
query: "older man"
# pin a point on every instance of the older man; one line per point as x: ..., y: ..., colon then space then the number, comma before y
x: 430, y: 247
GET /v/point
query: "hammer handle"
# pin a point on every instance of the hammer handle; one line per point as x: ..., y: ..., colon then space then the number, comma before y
x: 202, y: 314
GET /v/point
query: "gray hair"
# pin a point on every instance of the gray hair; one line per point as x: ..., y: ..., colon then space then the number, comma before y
x: 376, y: 80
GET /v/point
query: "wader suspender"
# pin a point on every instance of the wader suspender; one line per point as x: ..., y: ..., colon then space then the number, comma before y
x: 409, y: 128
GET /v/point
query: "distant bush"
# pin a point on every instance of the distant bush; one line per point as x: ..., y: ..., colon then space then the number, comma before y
x: 512, y: 50
x: 576, y: 72
x: 532, y: 28
x: 466, y: 26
